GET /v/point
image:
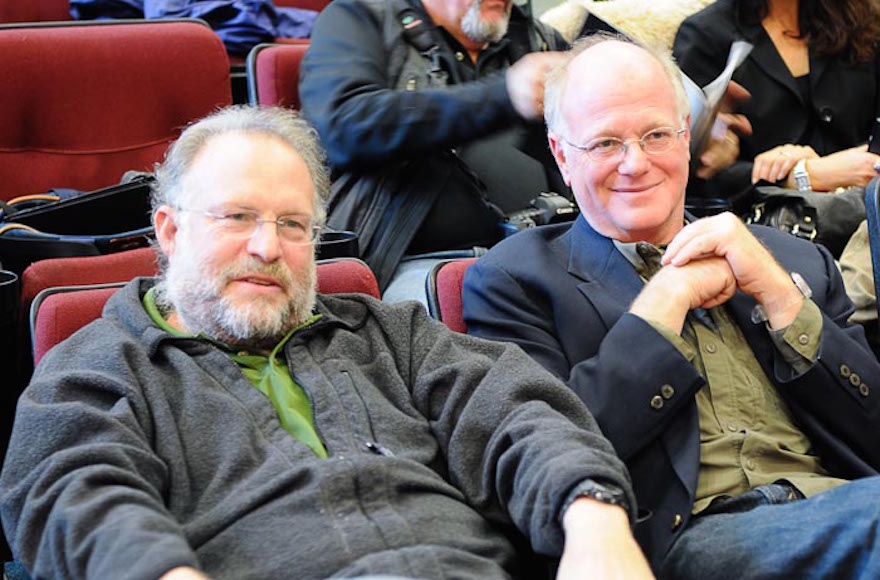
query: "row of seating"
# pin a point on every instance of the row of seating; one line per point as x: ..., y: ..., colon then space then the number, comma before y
x: 59, y: 10
x: 113, y: 96
x: 61, y: 295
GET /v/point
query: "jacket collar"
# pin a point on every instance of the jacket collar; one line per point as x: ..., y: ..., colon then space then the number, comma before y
x: 609, y: 281
x: 767, y: 58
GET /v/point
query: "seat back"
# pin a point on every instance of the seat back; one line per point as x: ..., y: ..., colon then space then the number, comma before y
x: 444, y: 292
x: 79, y: 271
x: 34, y: 10
x: 316, y: 5
x: 347, y: 275
x: 872, y: 212
x: 84, y: 102
x: 58, y: 312
x: 69, y: 272
x: 273, y: 74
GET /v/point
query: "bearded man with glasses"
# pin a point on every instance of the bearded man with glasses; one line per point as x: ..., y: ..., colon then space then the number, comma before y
x: 226, y: 421
x: 717, y: 358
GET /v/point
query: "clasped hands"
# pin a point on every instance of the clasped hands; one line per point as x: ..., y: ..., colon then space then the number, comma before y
x: 704, y: 265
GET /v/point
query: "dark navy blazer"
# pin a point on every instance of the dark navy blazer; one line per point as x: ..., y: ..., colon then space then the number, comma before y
x: 562, y: 293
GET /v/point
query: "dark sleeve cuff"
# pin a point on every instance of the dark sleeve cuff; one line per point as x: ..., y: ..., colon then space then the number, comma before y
x: 604, y: 492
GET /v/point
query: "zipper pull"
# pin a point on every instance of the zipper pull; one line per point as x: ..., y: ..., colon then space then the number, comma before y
x: 378, y: 449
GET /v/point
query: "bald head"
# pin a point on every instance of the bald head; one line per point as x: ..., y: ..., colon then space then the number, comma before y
x: 604, y: 65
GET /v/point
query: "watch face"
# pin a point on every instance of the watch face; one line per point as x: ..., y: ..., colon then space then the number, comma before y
x: 801, y: 285
x: 801, y: 177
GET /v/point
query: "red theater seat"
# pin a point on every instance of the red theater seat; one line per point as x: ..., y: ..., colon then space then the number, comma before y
x: 444, y: 292
x: 316, y: 5
x: 83, y: 102
x: 273, y: 74
x: 34, y: 10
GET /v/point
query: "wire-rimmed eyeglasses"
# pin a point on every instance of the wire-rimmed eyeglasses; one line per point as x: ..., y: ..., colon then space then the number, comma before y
x: 292, y: 228
x: 654, y: 142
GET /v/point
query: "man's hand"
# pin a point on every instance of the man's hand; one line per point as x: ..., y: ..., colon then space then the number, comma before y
x: 723, y: 147
x: 755, y: 270
x: 599, y: 544
x: 776, y: 164
x: 525, y: 82
x: 675, y: 290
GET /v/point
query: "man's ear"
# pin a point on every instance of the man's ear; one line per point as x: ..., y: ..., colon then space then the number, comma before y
x: 166, y: 229
x: 556, y: 148
x: 687, y: 136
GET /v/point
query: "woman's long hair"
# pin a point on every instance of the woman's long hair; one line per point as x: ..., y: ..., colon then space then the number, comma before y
x: 847, y: 28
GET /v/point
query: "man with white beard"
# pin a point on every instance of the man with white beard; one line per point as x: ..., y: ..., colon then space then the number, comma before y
x: 430, y: 111
x: 224, y: 421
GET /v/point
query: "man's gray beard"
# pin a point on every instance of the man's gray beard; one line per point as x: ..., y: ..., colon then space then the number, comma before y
x: 478, y: 30
x: 197, y: 299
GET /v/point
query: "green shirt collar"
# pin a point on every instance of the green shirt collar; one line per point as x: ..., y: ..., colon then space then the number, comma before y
x: 149, y: 302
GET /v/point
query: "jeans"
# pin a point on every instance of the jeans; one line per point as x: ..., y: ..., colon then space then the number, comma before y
x: 770, y: 532
x: 408, y: 281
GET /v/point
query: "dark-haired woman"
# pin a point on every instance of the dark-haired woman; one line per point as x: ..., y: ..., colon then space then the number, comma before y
x: 814, y: 77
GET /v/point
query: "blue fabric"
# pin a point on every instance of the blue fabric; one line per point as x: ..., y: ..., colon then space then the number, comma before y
x: 241, y: 24
x: 765, y: 533
x: 14, y: 571
x: 106, y: 9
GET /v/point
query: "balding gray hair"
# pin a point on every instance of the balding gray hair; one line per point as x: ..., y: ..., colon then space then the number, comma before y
x: 284, y: 124
x: 557, y: 79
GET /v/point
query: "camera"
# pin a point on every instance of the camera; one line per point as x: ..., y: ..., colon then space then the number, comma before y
x: 547, y: 208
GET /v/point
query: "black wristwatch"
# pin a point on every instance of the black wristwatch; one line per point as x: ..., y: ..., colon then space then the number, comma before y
x: 605, y: 493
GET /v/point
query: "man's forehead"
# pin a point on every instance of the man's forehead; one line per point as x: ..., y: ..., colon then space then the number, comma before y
x: 236, y: 163
x: 616, y: 74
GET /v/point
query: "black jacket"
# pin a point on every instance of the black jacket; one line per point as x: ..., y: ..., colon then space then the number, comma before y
x: 845, y: 97
x: 389, y: 126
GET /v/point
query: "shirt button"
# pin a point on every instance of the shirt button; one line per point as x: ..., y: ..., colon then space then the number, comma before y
x: 710, y: 348
x: 731, y: 427
x: 864, y: 390
x: 855, y: 380
x: 242, y: 353
x: 459, y: 56
x: 656, y: 402
x: 803, y: 339
x: 750, y: 464
x: 676, y: 522
x: 826, y: 114
x: 845, y: 371
x: 667, y: 391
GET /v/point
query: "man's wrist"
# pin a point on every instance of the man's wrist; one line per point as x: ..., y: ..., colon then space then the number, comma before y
x: 601, y: 492
x: 769, y: 309
x: 666, y: 305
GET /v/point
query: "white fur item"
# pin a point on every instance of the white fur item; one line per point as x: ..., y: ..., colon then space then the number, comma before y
x: 654, y: 22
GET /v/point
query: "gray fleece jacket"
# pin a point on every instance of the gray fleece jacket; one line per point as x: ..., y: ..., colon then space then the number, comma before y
x: 134, y: 452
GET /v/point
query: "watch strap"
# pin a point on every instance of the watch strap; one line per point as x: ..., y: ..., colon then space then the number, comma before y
x: 605, y: 493
x: 801, y: 177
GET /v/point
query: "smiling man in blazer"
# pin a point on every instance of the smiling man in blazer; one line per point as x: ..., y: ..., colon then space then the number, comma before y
x: 716, y: 357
